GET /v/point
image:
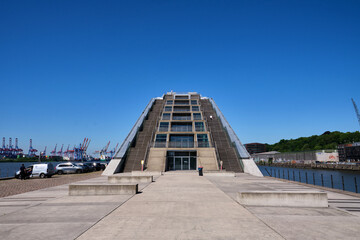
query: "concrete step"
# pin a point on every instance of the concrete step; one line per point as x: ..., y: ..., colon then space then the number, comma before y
x: 91, y: 189
x: 283, y: 198
x: 130, y: 179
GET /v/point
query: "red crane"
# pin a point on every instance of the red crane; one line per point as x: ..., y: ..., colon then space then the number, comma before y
x: 53, y: 152
x: 60, y: 153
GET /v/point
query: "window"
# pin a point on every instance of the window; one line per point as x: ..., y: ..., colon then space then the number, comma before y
x: 181, y: 116
x: 181, y: 127
x: 203, y: 140
x: 181, y: 102
x: 181, y: 141
x: 193, y: 102
x: 181, y: 109
x: 197, y: 116
x: 169, y: 102
x: 160, y: 140
x: 168, y: 109
x: 166, y: 116
x: 195, y: 108
x: 182, y: 97
x: 199, y: 127
x: 163, y: 127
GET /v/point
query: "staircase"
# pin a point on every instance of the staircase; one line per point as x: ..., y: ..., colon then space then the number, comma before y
x: 137, y: 152
x: 224, y: 147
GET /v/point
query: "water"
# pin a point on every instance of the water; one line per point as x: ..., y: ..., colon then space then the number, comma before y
x: 344, y: 180
x: 8, y: 169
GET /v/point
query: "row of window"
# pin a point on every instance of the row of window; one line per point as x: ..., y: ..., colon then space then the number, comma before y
x: 182, y: 140
x: 181, y: 109
x: 182, y: 116
x: 182, y: 102
x: 181, y: 127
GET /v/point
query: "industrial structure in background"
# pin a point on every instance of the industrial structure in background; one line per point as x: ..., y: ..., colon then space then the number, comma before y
x: 77, y: 153
x: 104, y: 154
x: 255, y: 147
x: 356, y: 111
x: 10, y: 150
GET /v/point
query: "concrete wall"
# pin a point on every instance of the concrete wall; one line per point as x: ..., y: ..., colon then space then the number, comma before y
x: 207, y: 158
x: 156, y: 159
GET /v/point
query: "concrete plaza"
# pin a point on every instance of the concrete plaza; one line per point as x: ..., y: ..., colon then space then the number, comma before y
x: 177, y: 205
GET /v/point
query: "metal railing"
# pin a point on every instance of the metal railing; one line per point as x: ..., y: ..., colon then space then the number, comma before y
x: 181, y: 129
x: 179, y: 144
x: 181, y: 118
x: 181, y: 109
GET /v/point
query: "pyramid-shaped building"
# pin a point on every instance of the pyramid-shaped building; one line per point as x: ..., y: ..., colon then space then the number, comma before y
x: 181, y: 131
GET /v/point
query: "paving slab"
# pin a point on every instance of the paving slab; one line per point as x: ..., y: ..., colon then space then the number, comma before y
x: 51, y: 214
x: 181, y: 206
x: 298, y: 222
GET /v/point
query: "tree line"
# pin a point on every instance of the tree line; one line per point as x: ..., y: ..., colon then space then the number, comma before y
x: 327, y: 140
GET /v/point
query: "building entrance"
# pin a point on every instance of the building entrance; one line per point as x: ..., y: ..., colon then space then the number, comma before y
x: 181, y: 160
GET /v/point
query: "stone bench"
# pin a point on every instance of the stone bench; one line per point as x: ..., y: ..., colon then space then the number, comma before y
x: 102, y: 189
x: 219, y: 174
x: 283, y: 199
x: 130, y: 179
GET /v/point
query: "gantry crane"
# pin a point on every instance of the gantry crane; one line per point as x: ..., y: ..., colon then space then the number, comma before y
x: 356, y: 110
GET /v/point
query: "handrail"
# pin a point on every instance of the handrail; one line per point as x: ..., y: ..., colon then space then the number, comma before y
x: 130, y: 137
x: 243, y: 153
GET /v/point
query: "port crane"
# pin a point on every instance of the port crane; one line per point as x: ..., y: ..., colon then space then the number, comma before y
x: 53, y: 152
x: 356, y: 110
x: 60, y: 153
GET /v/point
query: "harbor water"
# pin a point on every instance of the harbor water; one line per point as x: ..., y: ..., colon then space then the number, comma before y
x: 343, y: 180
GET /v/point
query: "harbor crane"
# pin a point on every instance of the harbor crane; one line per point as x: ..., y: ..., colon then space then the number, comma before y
x: 32, y: 151
x: 53, y: 152
x: 60, y: 153
x: 356, y: 110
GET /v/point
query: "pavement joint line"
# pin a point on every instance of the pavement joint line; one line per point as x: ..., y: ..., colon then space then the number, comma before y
x: 111, y: 211
x: 246, y: 209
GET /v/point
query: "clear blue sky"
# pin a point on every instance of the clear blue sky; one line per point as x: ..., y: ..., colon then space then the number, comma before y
x: 277, y: 69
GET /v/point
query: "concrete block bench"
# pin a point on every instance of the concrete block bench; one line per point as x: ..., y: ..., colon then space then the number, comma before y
x: 102, y: 189
x: 146, y: 173
x: 283, y: 199
x: 219, y: 174
x: 130, y: 179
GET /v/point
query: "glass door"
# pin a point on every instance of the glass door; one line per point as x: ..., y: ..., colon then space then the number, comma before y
x: 185, y: 163
x: 177, y: 165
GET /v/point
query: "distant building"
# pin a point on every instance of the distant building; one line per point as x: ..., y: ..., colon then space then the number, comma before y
x: 349, y: 152
x: 297, y: 157
x: 255, y: 147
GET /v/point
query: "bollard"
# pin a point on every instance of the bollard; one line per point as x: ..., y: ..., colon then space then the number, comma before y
x: 342, y: 178
x: 322, y: 180
x: 299, y: 177
x: 355, y: 185
x: 314, y: 178
x: 306, y: 179
x: 288, y: 175
x: 332, y: 182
